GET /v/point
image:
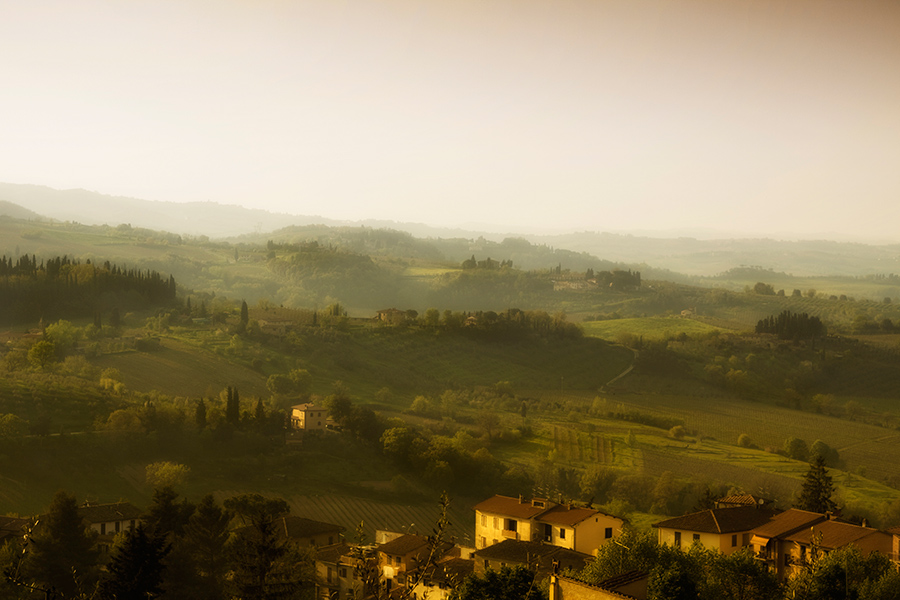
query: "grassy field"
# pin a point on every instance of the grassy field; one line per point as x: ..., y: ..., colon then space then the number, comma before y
x: 179, y: 369
x: 408, y: 362
x: 649, y: 328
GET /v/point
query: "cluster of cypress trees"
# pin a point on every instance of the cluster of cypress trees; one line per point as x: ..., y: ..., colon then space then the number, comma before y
x: 65, y: 287
x: 789, y: 326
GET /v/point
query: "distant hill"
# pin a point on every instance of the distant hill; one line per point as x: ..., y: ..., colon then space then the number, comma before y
x: 658, y: 258
x: 193, y: 218
x: 8, y: 209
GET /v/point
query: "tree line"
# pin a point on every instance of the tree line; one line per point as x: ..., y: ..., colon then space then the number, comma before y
x: 792, y: 326
x: 66, y: 287
x: 177, y: 549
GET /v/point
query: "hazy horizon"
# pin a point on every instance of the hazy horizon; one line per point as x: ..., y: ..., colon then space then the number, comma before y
x: 535, y: 117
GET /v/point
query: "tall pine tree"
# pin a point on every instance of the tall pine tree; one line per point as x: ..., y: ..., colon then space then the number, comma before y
x: 62, y: 554
x: 135, y: 571
x: 815, y: 495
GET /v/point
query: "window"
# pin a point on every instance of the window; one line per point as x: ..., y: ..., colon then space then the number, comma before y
x: 745, y: 539
x: 608, y: 533
x: 496, y: 523
x: 102, y: 528
x: 397, y: 560
x: 482, y: 542
x: 734, y: 540
x: 328, y: 578
x: 118, y: 526
x: 548, y: 532
x: 787, y: 559
x: 562, y: 533
x: 696, y: 537
x: 131, y: 524
x: 342, y: 571
x: 487, y: 564
x: 677, y: 542
x: 330, y: 540
x: 511, y: 524
x: 484, y: 520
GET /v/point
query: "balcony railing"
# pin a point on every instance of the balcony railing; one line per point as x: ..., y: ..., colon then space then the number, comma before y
x: 510, y: 535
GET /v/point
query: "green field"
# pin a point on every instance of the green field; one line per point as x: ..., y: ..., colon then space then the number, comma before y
x: 649, y: 328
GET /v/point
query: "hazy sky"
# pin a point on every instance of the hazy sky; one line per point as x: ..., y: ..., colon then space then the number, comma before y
x: 755, y: 116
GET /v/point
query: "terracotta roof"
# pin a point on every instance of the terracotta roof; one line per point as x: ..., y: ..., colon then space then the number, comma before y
x: 608, y: 592
x: 836, y: 534
x: 720, y: 520
x: 513, y: 507
x: 742, y: 500
x: 787, y: 523
x: 307, y: 407
x: 452, y: 570
x: 566, y: 515
x: 300, y: 527
x: 894, y: 530
x: 107, y: 513
x: 623, y: 579
x: 333, y: 553
x: 529, y: 553
x: 404, y: 544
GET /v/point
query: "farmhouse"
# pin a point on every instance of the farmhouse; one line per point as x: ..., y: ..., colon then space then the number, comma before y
x: 391, y: 316
x: 110, y: 519
x: 308, y: 417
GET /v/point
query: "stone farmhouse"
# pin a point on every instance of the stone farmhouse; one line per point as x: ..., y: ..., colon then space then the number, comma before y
x: 308, y: 417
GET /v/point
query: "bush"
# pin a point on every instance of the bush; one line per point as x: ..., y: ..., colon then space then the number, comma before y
x: 744, y: 441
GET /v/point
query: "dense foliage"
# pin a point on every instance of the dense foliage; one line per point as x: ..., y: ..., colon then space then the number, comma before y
x: 66, y: 287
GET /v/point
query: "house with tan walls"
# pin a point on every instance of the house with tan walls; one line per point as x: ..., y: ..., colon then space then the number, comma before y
x: 724, y: 529
x: 540, y: 520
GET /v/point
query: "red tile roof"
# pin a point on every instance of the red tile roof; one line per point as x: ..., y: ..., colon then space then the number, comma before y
x: 787, y: 523
x: 836, y: 534
x: 568, y: 515
x: 404, y: 544
x: 720, y: 520
x: 513, y: 507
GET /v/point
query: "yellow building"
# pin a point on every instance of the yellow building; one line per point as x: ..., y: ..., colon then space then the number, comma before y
x: 538, y: 520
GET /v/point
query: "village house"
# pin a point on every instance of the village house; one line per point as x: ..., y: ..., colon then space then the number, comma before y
x: 786, y: 542
x: 405, y: 554
x: 307, y: 532
x: 895, y: 545
x: 442, y: 578
x: 564, y: 525
x: 308, y: 417
x: 336, y: 576
x: 110, y: 519
x: 724, y: 529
